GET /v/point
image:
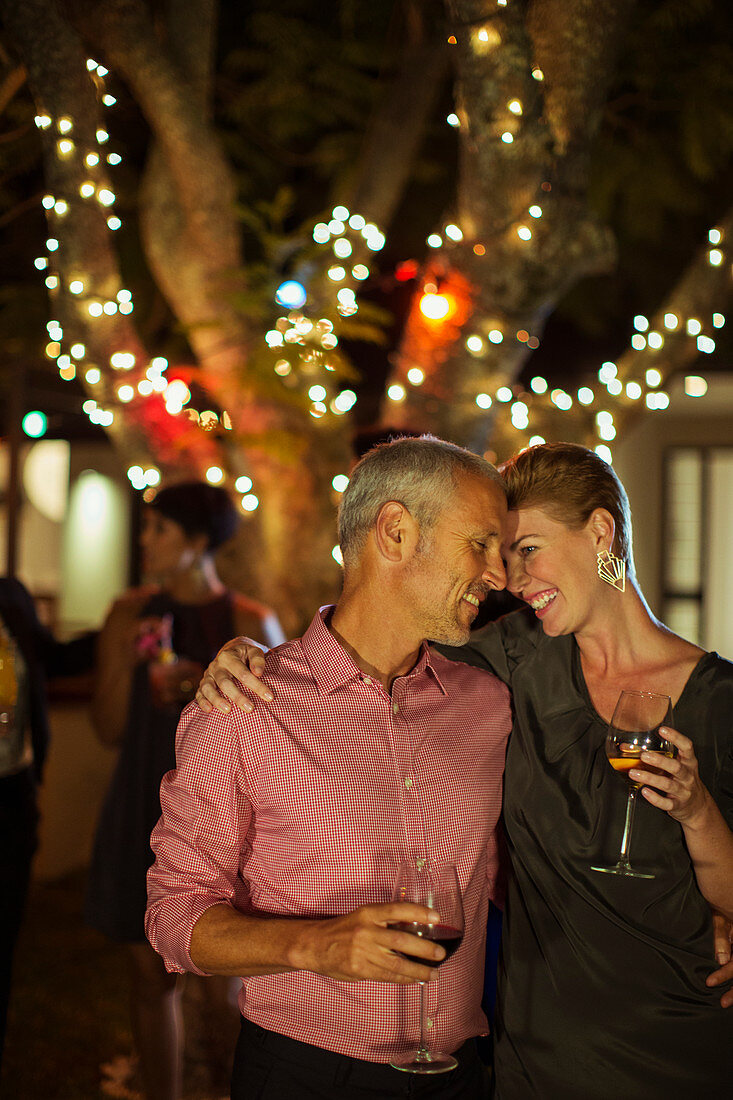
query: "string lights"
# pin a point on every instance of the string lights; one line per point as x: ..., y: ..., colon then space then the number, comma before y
x: 303, y: 342
x: 512, y: 405
x: 520, y: 409
x: 127, y: 379
x: 304, y: 349
x: 95, y: 189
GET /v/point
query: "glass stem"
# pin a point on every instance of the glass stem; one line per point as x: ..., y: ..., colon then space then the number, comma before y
x: 421, y: 1047
x: 628, y: 825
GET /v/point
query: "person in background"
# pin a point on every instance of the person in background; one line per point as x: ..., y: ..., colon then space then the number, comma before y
x: 282, y: 830
x: 29, y: 654
x: 605, y: 987
x: 152, y: 648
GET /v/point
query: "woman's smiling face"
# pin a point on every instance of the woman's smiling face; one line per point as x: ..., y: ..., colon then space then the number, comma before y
x: 553, y: 568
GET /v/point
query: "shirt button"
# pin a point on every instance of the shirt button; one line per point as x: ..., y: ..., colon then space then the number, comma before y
x: 429, y: 1022
x: 395, y: 708
x: 408, y: 782
x: 367, y: 679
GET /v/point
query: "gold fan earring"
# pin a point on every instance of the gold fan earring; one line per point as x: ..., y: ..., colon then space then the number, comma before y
x: 612, y: 570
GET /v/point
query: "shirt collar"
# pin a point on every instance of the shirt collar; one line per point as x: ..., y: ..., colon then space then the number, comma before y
x: 331, y: 665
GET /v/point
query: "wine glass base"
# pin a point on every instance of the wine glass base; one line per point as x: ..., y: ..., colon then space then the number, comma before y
x: 622, y: 869
x: 424, y: 1061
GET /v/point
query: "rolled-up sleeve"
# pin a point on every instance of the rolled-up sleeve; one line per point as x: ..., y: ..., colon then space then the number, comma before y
x: 199, y: 839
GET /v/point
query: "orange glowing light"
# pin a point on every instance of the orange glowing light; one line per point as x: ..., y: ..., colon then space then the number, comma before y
x: 436, y: 307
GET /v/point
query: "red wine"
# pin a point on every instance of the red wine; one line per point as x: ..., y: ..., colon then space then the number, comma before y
x: 447, y: 936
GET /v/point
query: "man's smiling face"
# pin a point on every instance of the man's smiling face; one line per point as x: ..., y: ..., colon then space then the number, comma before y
x: 458, y: 561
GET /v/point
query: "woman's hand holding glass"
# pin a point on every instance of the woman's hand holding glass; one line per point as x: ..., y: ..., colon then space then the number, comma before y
x: 678, y: 790
x: 639, y: 718
x: 173, y: 685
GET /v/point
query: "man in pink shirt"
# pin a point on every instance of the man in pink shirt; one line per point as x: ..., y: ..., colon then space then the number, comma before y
x: 282, y: 828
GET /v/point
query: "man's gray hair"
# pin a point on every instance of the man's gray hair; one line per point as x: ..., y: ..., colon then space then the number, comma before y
x: 420, y: 473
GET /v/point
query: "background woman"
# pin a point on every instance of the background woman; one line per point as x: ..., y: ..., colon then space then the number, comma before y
x: 151, y: 652
x: 604, y: 987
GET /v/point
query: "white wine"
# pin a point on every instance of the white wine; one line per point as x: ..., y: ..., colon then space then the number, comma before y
x: 624, y: 764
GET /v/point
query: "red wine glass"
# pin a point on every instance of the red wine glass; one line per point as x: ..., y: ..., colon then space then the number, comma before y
x: 435, y: 886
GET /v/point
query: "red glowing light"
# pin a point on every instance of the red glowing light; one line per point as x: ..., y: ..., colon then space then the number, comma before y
x: 406, y: 270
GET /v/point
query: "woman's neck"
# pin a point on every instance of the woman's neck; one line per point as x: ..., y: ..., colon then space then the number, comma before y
x: 631, y: 649
x: 622, y: 634
x: 199, y: 583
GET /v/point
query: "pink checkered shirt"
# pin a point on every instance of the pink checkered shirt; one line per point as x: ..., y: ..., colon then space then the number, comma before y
x: 306, y: 806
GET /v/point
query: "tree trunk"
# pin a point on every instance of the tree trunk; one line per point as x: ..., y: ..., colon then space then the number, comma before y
x: 192, y: 240
x: 525, y: 232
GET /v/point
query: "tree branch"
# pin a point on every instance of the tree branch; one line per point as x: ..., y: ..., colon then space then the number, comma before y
x: 11, y: 85
x: 64, y: 89
x: 204, y: 182
x: 702, y: 289
x: 397, y: 128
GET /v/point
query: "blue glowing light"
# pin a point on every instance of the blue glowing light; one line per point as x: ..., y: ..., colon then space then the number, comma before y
x: 291, y: 294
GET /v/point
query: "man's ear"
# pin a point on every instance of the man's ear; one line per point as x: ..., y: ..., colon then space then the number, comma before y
x: 396, y: 532
x: 602, y: 527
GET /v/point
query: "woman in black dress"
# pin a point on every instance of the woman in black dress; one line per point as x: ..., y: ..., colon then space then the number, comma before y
x: 602, y: 984
x: 605, y: 988
x: 151, y: 652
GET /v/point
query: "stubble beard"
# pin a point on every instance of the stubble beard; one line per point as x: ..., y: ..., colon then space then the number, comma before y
x: 449, y: 630
x: 438, y: 624
x: 455, y: 637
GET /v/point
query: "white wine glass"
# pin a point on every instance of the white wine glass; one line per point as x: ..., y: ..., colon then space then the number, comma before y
x: 634, y: 729
x: 435, y: 886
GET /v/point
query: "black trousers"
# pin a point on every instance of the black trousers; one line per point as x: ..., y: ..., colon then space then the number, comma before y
x: 268, y: 1066
x: 18, y: 838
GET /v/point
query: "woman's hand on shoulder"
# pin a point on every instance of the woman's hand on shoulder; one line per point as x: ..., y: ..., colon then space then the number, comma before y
x: 678, y: 789
x: 240, y: 659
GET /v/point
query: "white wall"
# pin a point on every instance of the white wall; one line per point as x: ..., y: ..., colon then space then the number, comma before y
x: 44, y: 490
x: 94, y: 549
x: 73, y: 541
x: 73, y: 548
x: 719, y: 554
x: 639, y: 461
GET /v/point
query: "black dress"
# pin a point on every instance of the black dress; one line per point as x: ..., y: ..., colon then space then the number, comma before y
x: 602, y: 991
x: 117, y: 889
